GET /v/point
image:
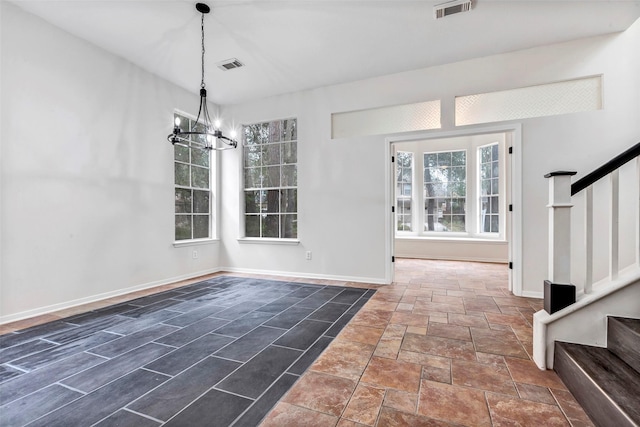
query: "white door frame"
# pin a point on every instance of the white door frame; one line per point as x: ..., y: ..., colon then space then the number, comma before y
x: 515, y: 163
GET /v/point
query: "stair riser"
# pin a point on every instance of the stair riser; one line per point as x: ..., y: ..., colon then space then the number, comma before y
x: 624, y: 343
x: 592, y: 399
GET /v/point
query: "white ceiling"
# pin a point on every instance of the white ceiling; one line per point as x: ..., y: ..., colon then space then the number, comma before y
x: 301, y: 44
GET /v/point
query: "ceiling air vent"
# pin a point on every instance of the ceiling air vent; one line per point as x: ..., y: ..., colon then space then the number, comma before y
x: 451, y: 8
x: 229, y: 64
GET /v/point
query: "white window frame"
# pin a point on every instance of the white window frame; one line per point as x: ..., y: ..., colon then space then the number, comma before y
x: 472, y: 212
x: 213, y: 204
x: 281, y: 188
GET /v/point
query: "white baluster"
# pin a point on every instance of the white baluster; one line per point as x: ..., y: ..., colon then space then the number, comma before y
x: 588, y: 237
x: 614, y: 247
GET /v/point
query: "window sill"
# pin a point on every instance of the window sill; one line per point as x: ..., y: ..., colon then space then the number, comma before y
x: 262, y: 241
x: 196, y: 242
x: 462, y: 239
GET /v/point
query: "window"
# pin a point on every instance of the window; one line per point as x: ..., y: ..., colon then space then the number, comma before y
x: 404, y: 182
x: 192, y: 188
x: 445, y: 191
x: 489, y: 188
x: 457, y: 185
x: 270, y: 179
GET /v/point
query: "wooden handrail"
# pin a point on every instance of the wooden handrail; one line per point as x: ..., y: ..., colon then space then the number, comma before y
x: 605, y: 169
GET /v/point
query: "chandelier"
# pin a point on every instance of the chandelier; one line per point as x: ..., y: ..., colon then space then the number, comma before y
x: 207, y: 135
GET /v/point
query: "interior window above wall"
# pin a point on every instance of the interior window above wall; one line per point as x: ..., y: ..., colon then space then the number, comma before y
x: 457, y: 186
x: 192, y: 172
x: 270, y: 151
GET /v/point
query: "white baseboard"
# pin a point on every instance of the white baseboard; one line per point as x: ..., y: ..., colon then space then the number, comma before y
x: 532, y: 294
x: 93, y: 298
x: 375, y: 281
x: 451, y: 258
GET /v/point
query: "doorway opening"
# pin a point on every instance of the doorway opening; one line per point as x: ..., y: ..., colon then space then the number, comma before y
x: 454, y: 197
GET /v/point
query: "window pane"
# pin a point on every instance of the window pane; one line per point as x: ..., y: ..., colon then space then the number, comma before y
x: 457, y: 206
x: 272, y: 201
x: 271, y: 154
x: 494, y: 186
x: 495, y: 170
x: 458, y: 223
x: 495, y: 219
x: 485, y: 154
x: 252, y: 201
x: 182, y: 175
x: 289, y: 226
x: 200, y: 201
x: 200, y: 226
x: 485, y: 171
x: 495, y: 206
x: 275, y: 131
x: 458, y: 158
x: 252, y: 156
x: 263, y: 133
x: 458, y: 174
x: 250, y: 135
x: 289, y: 132
x: 199, y: 177
x: 183, y: 227
x: 404, y: 222
x: 181, y: 153
x: 183, y: 200
x: 252, y: 226
x: 270, y: 226
x: 252, y: 178
x: 430, y: 160
x: 271, y: 176
x: 200, y: 157
x: 444, y: 159
x: 289, y: 152
x: 289, y: 201
x: 289, y: 176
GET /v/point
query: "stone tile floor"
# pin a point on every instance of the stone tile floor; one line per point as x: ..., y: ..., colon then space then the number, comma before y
x: 219, y: 352
x: 446, y: 345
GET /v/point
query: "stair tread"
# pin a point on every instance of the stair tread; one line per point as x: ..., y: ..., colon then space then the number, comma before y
x: 633, y: 324
x: 617, y: 379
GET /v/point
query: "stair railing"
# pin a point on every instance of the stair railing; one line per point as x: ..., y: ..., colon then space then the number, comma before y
x: 559, y: 291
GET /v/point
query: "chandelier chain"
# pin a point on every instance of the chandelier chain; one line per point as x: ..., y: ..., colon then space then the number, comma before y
x: 202, y: 84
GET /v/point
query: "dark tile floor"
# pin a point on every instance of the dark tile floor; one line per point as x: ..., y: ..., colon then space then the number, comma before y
x: 220, y: 352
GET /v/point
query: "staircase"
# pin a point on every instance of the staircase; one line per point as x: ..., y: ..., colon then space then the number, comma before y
x: 605, y: 381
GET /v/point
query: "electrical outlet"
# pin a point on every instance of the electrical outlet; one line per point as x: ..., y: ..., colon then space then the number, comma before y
x: 194, y: 254
x: 308, y: 255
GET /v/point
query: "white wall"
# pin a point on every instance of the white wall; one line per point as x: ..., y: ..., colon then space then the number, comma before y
x: 341, y: 182
x: 87, y: 173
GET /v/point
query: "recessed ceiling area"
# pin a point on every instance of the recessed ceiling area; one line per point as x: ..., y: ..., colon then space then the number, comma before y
x: 287, y: 46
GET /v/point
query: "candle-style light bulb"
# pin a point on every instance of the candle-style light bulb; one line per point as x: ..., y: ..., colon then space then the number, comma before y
x: 177, y: 121
x: 216, y: 124
x: 233, y: 134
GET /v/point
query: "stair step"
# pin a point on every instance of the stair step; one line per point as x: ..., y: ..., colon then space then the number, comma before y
x: 604, y: 385
x: 623, y: 339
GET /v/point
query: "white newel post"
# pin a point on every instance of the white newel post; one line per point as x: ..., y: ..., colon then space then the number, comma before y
x: 558, y: 289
